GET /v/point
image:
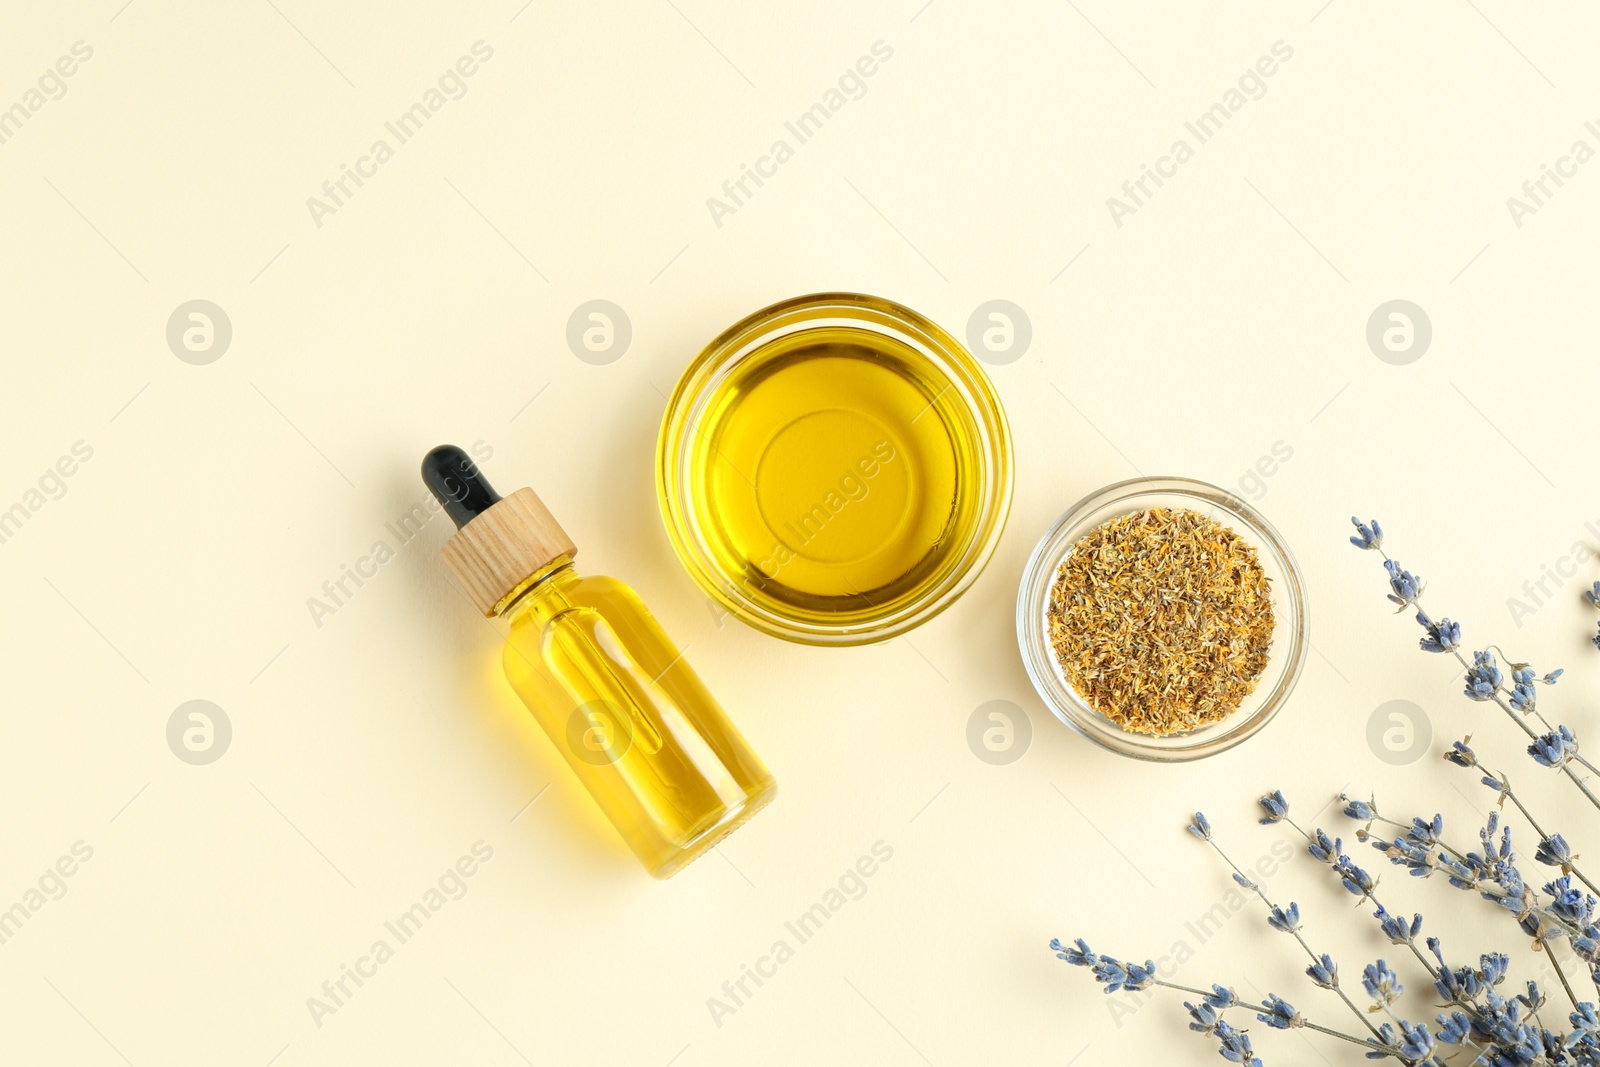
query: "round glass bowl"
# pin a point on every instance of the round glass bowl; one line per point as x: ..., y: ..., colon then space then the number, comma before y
x: 834, y: 469
x: 1285, y: 658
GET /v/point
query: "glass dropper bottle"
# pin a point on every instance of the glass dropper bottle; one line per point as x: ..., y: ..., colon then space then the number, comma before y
x: 618, y: 698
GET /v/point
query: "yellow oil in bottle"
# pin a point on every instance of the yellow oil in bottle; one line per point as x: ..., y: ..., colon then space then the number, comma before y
x: 606, y: 683
x: 633, y: 720
x: 829, y: 473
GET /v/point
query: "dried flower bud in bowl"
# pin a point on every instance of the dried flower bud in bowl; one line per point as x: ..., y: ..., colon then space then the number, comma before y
x: 1163, y: 618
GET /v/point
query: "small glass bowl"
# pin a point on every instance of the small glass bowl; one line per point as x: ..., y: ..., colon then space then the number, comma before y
x: 1285, y: 659
x: 693, y: 508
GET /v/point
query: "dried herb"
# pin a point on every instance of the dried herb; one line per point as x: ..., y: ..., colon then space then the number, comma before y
x: 1161, y: 620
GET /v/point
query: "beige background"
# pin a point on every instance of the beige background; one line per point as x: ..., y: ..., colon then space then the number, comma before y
x: 368, y: 754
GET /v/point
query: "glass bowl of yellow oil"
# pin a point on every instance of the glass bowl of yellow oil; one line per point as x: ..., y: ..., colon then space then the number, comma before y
x: 834, y: 469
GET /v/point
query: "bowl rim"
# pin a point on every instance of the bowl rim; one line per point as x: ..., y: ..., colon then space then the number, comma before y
x: 1065, y: 703
x: 735, y: 343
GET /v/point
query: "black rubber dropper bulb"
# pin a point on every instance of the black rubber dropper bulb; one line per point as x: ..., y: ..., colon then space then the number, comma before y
x: 457, y: 483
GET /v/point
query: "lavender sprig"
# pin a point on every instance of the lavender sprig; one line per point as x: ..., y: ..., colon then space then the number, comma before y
x: 1493, y: 874
x: 1285, y: 920
x: 1552, y: 849
x: 1398, y: 929
x: 1503, y: 1030
x: 1207, y: 1014
x: 1331, y: 852
x: 1555, y: 746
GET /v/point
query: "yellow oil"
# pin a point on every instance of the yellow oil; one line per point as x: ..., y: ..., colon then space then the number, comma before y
x: 633, y: 720
x: 827, y: 471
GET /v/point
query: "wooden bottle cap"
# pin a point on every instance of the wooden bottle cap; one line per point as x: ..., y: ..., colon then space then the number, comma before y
x: 497, y: 551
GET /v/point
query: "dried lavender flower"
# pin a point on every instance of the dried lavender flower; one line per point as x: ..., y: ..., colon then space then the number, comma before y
x: 1381, y: 983
x: 1555, y: 748
x: 1443, y: 636
x: 1370, y: 536
x: 1404, y: 587
x: 1483, y: 677
x: 1275, y: 806
x: 1286, y: 920
x: 1554, y: 851
x: 1280, y: 1014
x: 1324, y: 973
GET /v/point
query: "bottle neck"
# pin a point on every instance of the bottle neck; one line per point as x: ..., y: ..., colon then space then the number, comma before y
x: 558, y: 572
